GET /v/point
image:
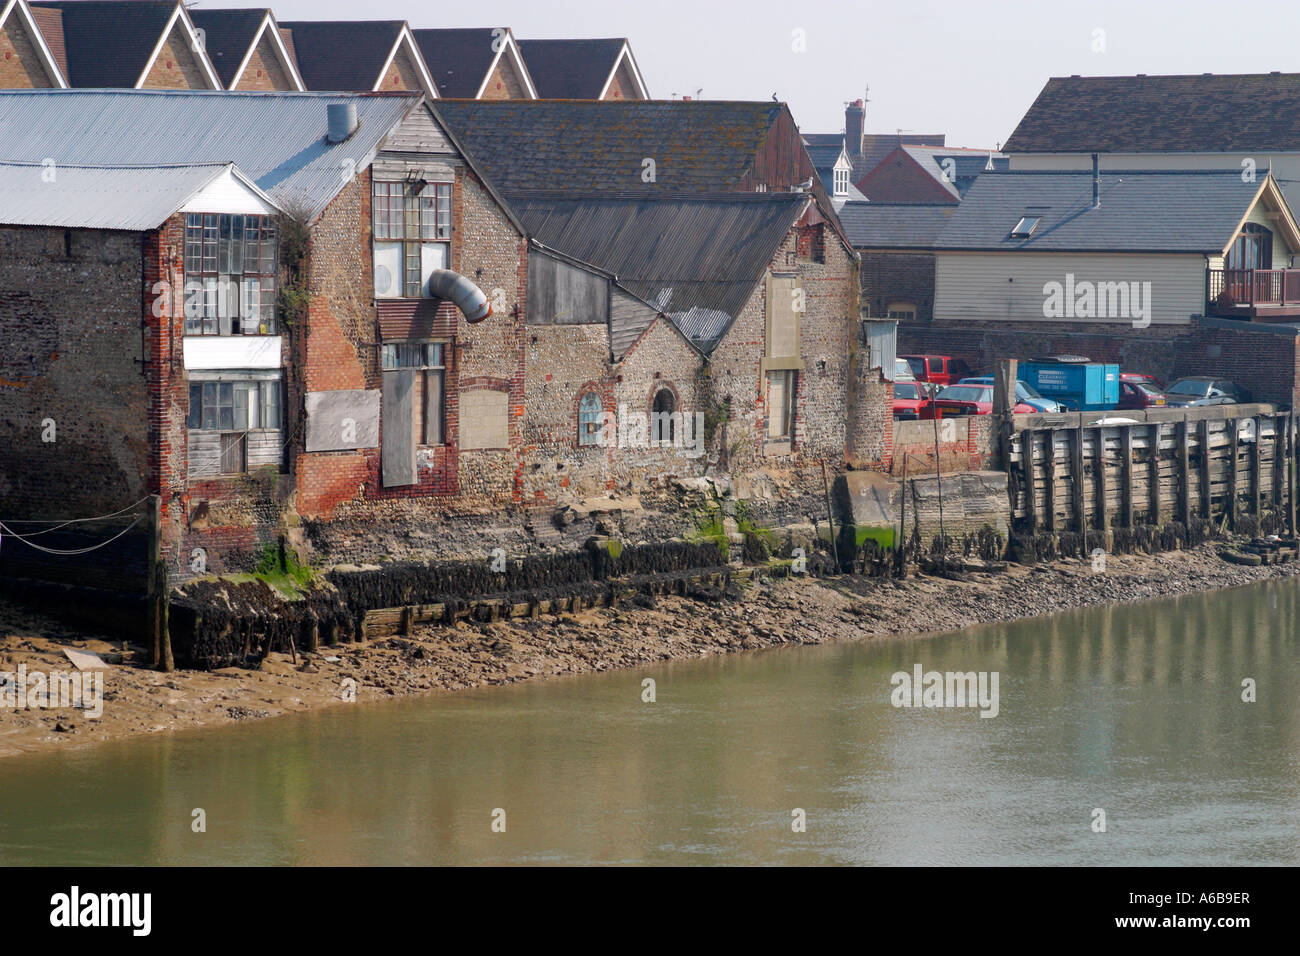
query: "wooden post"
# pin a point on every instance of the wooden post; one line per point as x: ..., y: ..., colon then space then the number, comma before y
x: 1256, y: 470
x: 1279, y: 454
x: 1027, y: 442
x: 1126, y: 454
x: 1103, y: 511
x: 1049, y: 480
x: 1184, y: 474
x: 1291, y: 474
x: 1076, y: 476
x: 1004, y: 403
x: 160, y: 642
x: 1231, y: 427
x: 1207, y: 499
x: 1153, y: 474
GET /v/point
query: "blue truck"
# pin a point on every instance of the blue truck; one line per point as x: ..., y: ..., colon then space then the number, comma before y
x: 1078, y: 384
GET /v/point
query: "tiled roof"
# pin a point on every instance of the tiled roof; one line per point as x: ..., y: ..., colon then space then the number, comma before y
x: 50, y: 22
x: 1140, y: 211
x: 599, y: 147
x: 571, y: 69
x: 342, y: 54
x: 458, y: 59
x: 1205, y: 113
x: 879, y: 225
x: 695, y: 258
x: 227, y: 35
x: 108, y: 43
x: 276, y: 139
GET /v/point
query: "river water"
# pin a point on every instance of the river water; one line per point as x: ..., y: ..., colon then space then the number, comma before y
x: 1134, y: 710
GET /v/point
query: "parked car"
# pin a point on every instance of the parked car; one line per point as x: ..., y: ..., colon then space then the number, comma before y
x: 939, y: 369
x: 1204, y: 390
x: 902, y: 371
x: 1142, y: 378
x: 1140, y: 395
x: 958, y: 400
x: 1025, y: 394
x: 910, y: 398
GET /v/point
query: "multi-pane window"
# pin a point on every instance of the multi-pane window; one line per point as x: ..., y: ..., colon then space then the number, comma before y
x: 412, y: 226
x: 230, y: 274
x: 234, y: 406
x: 429, y: 361
x: 590, y: 410
x: 841, y: 182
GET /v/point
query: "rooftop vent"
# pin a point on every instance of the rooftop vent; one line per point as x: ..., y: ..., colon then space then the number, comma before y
x: 342, y: 121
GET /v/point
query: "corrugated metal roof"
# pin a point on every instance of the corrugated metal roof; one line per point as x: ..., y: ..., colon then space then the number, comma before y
x: 276, y: 139
x: 1141, y: 211
x: 98, y: 197
x: 682, y: 254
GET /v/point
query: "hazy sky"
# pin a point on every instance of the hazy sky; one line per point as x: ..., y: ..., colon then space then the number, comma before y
x: 968, y: 69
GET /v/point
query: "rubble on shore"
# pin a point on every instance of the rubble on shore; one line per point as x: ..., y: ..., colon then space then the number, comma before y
x: 763, y: 614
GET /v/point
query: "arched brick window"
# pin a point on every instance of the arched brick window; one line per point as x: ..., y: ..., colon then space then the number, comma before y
x: 662, y: 420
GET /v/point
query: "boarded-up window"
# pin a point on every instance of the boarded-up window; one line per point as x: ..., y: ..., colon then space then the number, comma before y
x: 398, y: 454
x: 785, y: 307
x: 428, y: 408
x: 561, y: 294
x: 484, y: 419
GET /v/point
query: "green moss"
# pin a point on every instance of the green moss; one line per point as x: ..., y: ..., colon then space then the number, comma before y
x: 882, y: 536
x: 614, y: 547
x: 286, y: 574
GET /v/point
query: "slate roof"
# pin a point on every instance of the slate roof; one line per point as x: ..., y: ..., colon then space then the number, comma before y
x: 276, y: 139
x: 695, y: 258
x: 1143, y: 211
x: 100, y: 197
x: 598, y: 146
x: 571, y: 69
x: 342, y: 54
x: 879, y: 225
x: 227, y: 35
x: 457, y: 59
x: 107, y: 43
x: 967, y: 164
x: 1200, y: 113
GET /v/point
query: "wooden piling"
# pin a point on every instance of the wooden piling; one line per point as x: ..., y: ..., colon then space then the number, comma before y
x: 1153, y: 473
x: 1103, y: 506
x: 157, y: 626
x: 1076, y: 479
x: 1027, y: 458
x: 1126, y: 476
x: 1049, y: 480
x: 1184, y: 474
x: 1204, y: 470
x: 1256, y: 470
x: 1231, y: 426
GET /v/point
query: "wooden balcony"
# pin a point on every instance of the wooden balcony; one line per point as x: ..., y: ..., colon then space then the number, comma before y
x: 1259, y: 295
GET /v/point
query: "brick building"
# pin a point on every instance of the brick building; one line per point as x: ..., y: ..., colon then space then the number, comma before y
x: 26, y: 60
x: 351, y: 326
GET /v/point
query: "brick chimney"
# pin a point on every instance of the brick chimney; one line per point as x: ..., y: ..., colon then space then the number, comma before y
x: 855, y: 116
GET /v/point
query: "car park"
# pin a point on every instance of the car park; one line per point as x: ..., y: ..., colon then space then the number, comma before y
x: 1199, y: 390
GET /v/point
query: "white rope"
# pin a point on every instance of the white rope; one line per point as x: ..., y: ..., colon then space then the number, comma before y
x: 14, y: 534
x: 63, y: 523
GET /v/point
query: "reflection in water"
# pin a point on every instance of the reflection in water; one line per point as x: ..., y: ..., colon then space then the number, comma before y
x: 1134, y: 709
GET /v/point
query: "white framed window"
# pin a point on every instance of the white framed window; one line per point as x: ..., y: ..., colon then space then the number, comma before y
x: 412, y: 236
x: 841, y: 182
x: 901, y: 311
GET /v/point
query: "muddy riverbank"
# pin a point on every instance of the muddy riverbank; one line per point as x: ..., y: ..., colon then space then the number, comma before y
x: 757, y: 615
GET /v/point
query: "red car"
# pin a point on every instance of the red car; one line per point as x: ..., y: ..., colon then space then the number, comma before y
x: 910, y: 399
x: 939, y: 369
x: 1139, y: 394
x: 1142, y: 378
x: 958, y: 400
